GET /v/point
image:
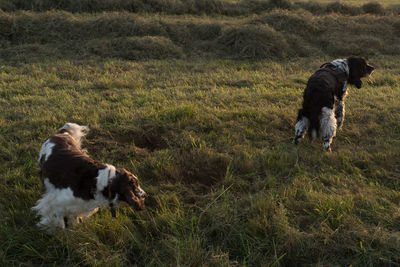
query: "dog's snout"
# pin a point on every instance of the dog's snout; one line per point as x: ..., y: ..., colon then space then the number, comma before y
x: 142, y: 194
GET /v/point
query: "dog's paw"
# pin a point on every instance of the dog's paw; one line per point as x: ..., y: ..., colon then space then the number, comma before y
x: 327, y: 147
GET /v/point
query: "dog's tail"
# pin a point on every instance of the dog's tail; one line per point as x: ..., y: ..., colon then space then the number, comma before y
x: 314, y: 123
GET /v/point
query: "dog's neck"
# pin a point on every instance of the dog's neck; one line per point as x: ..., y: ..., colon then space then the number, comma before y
x: 342, y: 65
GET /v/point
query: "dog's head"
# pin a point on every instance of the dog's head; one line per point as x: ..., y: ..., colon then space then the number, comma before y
x: 129, y: 189
x: 75, y: 130
x: 358, y: 68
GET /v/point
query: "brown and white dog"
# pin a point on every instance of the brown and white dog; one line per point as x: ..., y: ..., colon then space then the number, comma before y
x: 75, y: 186
x: 323, y: 99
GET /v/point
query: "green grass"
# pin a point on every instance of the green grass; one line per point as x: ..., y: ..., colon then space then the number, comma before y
x: 207, y: 134
x: 210, y: 141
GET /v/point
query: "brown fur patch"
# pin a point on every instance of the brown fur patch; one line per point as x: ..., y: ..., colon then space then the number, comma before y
x: 68, y: 166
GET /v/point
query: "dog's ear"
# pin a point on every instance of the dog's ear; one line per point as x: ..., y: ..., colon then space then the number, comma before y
x: 325, y: 65
x: 130, y: 190
x: 131, y: 199
x: 370, y: 69
x: 357, y: 70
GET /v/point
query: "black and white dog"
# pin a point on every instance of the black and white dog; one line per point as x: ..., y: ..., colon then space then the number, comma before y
x: 75, y: 186
x: 323, y: 103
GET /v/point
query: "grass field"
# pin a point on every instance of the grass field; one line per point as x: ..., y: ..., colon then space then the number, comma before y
x: 361, y: 2
x: 201, y: 104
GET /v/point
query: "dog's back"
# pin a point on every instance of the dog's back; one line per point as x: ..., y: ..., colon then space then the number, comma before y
x: 67, y: 160
x: 319, y: 93
x: 67, y: 145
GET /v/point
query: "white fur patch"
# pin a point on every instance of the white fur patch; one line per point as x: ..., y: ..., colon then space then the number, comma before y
x: 343, y: 65
x: 328, y: 126
x: 104, y: 176
x: 301, y: 127
x: 46, y: 150
x: 56, y: 203
x: 142, y: 193
x: 77, y: 131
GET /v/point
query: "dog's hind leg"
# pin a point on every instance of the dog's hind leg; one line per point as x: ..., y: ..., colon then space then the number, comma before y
x: 328, y: 127
x: 300, y: 127
x: 86, y: 215
x: 339, y: 113
x: 51, y: 222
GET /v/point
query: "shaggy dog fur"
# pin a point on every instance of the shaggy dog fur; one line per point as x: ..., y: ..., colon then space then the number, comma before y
x: 323, y: 103
x: 75, y: 186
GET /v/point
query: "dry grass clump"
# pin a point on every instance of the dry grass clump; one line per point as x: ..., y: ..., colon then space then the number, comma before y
x: 67, y: 5
x: 274, y: 35
x: 300, y: 47
x: 396, y: 27
x: 252, y: 42
x: 41, y: 28
x: 364, y: 35
x: 333, y: 34
x: 210, y: 7
x: 313, y: 7
x: 134, y: 48
x: 195, y: 7
x: 121, y: 24
x: 51, y: 26
x: 370, y: 45
x: 338, y: 7
x: 298, y: 29
x: 373, y: 8
x: 299, y: 23
x: 206, y: 31
x: 285, y: 4
x: 395, y: 10
x: 5, y: 25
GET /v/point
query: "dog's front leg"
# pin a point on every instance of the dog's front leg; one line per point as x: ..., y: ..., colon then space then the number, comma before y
x: 301, y: 126
x: 339, y: 113
x: 328, y: 127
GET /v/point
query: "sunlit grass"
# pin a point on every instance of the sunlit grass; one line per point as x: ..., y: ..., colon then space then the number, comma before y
x: 210, y: 141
